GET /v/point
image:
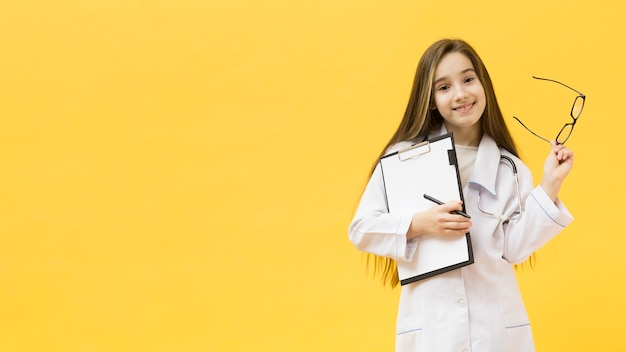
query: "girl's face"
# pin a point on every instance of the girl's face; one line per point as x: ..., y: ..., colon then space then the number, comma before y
x: 459, y: 96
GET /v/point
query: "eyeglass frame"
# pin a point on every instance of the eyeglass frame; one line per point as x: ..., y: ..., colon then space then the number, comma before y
x: 571, y: 114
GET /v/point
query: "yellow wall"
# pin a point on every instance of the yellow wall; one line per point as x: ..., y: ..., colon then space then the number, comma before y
x: 180, y: 175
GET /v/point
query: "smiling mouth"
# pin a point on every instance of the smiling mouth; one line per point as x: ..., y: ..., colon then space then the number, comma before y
x: 464, y: 108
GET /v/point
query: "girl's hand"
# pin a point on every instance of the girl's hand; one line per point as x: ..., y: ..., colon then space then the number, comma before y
x: 438, y: 220
x: 556, y: 167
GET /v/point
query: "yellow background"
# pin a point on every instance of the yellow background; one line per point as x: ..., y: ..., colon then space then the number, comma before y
x: 180, y: 175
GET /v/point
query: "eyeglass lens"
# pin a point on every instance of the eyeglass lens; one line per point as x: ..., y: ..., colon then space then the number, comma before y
x: 566, y: 131
x: 577, y: 108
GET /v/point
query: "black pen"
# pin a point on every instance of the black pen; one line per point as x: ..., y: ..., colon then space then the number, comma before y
x: 435, y: 200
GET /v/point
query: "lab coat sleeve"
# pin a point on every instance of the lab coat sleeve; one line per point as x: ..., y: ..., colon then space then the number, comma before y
x: 542, y: 221
x: 374, y: 230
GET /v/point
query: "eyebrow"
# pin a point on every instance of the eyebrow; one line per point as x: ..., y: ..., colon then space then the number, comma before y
x: 462, y: 72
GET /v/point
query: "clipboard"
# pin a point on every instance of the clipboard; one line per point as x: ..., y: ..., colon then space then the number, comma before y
x: 430, y: 168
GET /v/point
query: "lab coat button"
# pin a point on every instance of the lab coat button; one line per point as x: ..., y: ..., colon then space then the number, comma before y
x: 461, y: 302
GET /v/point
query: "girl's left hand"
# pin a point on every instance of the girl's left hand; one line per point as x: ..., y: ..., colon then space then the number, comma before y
x: 556, y: 167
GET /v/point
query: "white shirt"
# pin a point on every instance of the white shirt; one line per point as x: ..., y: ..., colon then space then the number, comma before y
x: 466, y: 157
x: 478, y: 307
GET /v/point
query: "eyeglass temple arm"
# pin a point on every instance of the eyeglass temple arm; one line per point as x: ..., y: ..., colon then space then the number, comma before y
x: 529, y: 130
x: 563, y: 84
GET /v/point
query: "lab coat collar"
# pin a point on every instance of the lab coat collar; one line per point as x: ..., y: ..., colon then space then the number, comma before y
x: 485, y: 169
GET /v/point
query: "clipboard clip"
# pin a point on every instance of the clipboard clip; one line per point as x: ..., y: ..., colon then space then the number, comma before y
x: 414, y: 151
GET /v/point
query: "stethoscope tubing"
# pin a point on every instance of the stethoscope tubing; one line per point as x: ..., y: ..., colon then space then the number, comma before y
x: 504, y: 218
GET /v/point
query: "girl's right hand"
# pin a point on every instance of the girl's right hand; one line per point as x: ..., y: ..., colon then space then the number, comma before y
x: 557, y: 166
x: 439, y: 220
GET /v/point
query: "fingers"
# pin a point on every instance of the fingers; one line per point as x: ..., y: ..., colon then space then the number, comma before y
x: 438, y: 220
x: 564, y: 154
x: 452, y: 206
x: 557, y: 166
x: 449, y: 223
x: 457, y: 225
x: 561, y: 152
x: 455, y: 228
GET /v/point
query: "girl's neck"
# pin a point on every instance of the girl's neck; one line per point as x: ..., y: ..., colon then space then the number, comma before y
x: 466, y: 136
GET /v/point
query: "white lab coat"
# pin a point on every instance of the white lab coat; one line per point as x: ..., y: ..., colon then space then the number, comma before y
x: 478, y: 307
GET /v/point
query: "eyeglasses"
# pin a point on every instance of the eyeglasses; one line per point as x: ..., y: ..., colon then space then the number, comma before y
x: 577, y: 109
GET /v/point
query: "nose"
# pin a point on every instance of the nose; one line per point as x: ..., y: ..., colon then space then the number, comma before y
x: 459, y: 93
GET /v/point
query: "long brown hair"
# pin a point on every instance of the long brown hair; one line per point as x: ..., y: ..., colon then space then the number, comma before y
x: 420, y: 119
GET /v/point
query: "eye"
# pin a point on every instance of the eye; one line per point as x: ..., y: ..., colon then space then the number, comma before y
x: 443, y: 88
x: 469, y: 79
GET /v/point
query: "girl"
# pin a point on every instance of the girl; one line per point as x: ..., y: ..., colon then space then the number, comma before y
x: 478, y: 307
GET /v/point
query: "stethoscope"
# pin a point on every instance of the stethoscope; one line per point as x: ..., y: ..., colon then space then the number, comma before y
x: 514, y: 215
